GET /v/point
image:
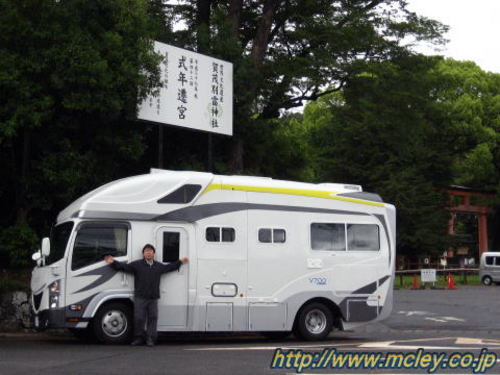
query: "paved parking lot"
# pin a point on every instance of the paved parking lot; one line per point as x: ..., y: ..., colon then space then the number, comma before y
x: 440, y: 321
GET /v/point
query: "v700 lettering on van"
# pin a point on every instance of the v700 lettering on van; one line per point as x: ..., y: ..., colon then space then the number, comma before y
x: 265, y: 256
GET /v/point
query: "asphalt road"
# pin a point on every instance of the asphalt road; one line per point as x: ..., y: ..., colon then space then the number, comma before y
x: 439, y: 321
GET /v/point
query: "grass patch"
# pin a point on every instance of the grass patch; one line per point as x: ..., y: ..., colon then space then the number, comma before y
x: 406, y: 281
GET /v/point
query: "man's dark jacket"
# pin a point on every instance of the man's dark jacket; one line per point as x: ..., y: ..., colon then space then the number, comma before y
x: 147, y: 278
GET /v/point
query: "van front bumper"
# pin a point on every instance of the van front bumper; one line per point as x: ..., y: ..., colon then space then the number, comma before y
x: 53, y: 318
x: 57, y: 318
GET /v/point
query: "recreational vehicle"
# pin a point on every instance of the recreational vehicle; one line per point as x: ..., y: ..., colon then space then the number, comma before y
x: 265, y: 255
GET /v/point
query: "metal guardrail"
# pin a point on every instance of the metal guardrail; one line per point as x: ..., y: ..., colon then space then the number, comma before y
x: 452, y: 270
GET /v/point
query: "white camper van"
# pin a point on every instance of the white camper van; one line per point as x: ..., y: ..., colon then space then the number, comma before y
x: 265, y: 256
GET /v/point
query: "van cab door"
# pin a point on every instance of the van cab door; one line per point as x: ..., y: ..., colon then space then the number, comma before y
x: 87, y: 273
x: 172, y: 244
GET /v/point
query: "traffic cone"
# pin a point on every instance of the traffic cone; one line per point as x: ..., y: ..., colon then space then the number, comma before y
x: 451, y: 283
x: 415, y: 284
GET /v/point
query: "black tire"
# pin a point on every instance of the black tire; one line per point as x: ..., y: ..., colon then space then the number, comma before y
x: 487, y: 280
x: 113, y: 323
x: 314, y: 322
x: 85, y: 335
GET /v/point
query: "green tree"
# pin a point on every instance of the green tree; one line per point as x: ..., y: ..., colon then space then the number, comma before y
x: 287, y: 52
x: 71, y: 73
x: 470, y: 99
x: 387, y: 133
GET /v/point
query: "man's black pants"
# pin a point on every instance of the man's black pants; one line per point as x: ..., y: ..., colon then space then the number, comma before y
x: 145, y: 315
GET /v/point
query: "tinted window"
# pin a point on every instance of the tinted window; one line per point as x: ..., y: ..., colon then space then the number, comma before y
x: 93, y: 242
x: 212, y: 234
x: 362, y: 237
x: 171, y: 246
x: 227, y: 235
x: 184, y: 194
x: 265, y: 235
x: 327, y: 236
x: 279, y: 235
x: 58, y: 240
x: 268, y: 235
x: 489, y: 261
x: 497, y: 261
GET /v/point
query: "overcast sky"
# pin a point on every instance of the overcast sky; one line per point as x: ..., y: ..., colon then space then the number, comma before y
x: 474, y: 29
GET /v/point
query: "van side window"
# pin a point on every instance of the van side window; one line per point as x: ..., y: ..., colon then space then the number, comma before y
x: 267, y: 235
x: 184, y: 194
x: 279, y: 235
x: 363, y: 237
x: 170, y: 246
x: 497, y: 261
x: 328, y: 236
x: 228, y: 235
x: 94, y: 241
x: 489, y: 261
x: 212, y: 234
x: 218, y: 234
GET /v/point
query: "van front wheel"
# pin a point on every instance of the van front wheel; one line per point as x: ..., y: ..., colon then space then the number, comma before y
x: 314, y: 322
x: 113, y: 323
x: 487, y: 280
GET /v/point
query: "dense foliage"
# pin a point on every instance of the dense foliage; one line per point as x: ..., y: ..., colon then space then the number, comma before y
x: 400, y: 124
x: 70, y: 75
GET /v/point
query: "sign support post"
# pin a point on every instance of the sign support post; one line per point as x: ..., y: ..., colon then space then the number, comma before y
x: 210, y: 154
x: 160, y: 146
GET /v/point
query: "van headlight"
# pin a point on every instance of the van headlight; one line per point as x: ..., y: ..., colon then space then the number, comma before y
x: 54, y: 287
x: 54, y: 290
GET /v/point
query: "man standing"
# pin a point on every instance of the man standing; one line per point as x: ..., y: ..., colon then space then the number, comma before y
x: 147, y: 274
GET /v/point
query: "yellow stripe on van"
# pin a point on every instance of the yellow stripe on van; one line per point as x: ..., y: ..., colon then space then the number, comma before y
x: 288, y: 191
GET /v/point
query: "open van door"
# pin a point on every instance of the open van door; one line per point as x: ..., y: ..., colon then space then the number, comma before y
x: 171, y: 245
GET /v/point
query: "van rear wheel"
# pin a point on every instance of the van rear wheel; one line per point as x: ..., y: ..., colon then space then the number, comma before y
x: 487, y: 280
x: 314, y: 322
x: 113, y: 323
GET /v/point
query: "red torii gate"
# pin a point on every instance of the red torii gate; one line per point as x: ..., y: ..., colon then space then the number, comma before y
x: 460, y: 202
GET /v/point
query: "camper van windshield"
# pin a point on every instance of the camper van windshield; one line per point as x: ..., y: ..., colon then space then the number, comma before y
x: 58, y: 240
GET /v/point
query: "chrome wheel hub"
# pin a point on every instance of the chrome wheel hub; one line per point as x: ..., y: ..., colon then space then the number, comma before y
x: 114, y: 323
x: 315, y: 321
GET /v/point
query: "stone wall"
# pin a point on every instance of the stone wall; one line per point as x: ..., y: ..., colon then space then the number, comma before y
x: 14, y: 311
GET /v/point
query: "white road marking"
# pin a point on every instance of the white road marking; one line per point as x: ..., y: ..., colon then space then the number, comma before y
x: 476, y: 341
x: 436, y: 320
x: 416, y: 312
x: 393, y: 344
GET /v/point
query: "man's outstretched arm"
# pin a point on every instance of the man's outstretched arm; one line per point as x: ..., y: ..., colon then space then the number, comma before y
x: 174, y: 265
x: 119, y: 266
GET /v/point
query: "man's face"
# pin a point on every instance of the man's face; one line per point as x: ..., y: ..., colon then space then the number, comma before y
x: 149, y: 254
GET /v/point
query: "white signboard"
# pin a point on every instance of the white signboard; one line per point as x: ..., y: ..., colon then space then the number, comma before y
x: 197, y: 92
x: 428, y: 275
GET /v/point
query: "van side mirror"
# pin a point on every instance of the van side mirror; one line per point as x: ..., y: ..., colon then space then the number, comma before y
x: 45, y: 247
x: 37, y: 257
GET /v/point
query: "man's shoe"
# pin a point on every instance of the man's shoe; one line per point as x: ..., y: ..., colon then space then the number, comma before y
x: 137, y: 342
x: 150, y: 342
